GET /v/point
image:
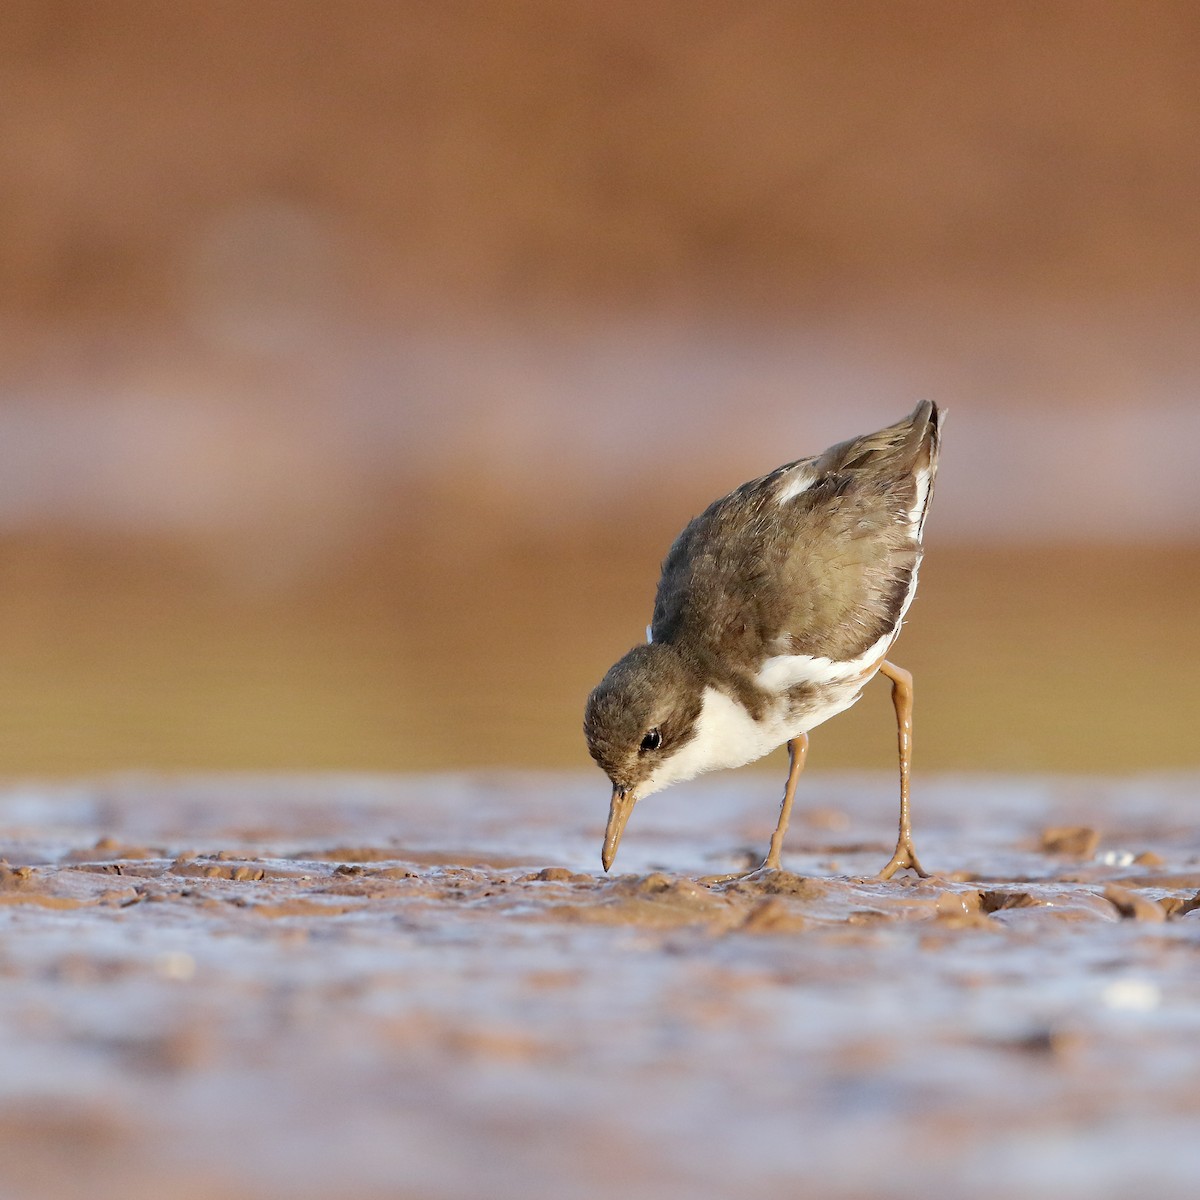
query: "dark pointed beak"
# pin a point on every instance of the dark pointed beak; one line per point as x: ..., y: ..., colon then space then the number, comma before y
x: 622, y: 804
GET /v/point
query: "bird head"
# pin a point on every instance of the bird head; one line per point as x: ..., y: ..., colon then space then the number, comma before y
x: 642, y: 713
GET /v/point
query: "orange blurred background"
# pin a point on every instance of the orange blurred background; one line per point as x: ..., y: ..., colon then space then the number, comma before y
x: 360, y: 361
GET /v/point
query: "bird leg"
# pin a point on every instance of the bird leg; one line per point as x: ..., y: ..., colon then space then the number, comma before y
x: 905, y: 854
x: 797, y: 753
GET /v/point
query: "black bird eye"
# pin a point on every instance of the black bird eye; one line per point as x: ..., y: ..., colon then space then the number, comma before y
x: 652, y: 740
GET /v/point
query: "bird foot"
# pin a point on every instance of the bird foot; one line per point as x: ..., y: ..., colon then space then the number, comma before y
x: 768, y: 864
x: 904, y: 857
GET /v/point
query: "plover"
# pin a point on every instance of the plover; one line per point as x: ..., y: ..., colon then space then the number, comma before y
x: 775, y: 607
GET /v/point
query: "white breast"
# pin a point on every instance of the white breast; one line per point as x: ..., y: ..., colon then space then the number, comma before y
x: 726, y: 735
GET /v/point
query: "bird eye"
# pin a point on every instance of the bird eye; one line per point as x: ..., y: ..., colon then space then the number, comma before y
x: 652, y: 740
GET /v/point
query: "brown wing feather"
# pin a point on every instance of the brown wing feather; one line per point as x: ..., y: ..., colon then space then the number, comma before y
x: 844, y: 551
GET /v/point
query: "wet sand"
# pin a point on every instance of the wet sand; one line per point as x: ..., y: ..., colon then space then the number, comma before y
x: 423, y: 987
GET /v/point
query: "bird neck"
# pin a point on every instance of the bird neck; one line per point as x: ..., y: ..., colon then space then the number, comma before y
x: 711, y: 670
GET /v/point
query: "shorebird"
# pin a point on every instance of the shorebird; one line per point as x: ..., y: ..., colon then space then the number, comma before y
x: 775, y: 607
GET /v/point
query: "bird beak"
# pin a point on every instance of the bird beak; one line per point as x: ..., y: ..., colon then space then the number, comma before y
x: 618, y: 813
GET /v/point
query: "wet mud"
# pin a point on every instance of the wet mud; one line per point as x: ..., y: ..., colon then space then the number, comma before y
x: 425, y: 987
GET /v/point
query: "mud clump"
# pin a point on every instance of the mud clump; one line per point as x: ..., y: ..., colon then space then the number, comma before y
x: 1073, y: 841
x: 1132, y: 906
x: 655, y: 900
x: 774, y: 915
x: 779, y: 883
x: 962, y: 910
x: 16, y: 879
x: 556, y: 875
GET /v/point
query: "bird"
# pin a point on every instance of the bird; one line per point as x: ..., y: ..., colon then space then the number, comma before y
x: 775, y: 607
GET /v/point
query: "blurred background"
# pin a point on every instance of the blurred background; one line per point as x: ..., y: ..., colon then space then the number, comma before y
x: 359, y: 362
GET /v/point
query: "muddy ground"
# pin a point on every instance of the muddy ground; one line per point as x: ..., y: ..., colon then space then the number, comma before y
x: 423, y: 987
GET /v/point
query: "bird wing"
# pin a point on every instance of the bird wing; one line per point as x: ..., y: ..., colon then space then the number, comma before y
x: 816, y: 558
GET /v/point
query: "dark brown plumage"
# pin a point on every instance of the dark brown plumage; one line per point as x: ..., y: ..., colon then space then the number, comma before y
x: 829, y: 570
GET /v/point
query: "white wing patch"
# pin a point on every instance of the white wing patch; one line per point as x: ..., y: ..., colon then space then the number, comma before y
x: 649, y: 634
x: 802, y: 478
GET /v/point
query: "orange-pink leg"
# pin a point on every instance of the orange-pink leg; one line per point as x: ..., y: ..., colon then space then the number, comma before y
x: 797, y: 753
x: 902, y: 692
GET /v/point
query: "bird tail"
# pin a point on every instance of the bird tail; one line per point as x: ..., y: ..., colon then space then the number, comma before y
x: 909, y: 445
x: 925, y: 438
x: 924, y: 427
